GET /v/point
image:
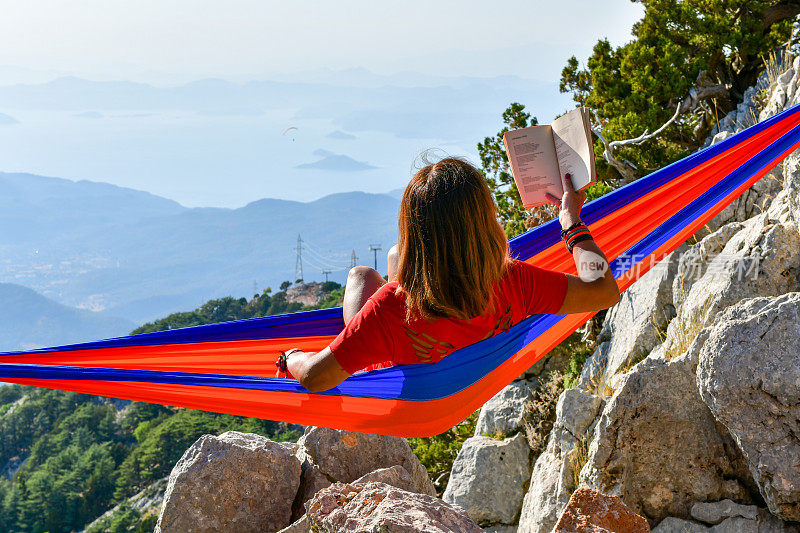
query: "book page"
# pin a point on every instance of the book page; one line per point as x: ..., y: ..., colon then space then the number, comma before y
x: 574, y: 150
x: 531, y: 154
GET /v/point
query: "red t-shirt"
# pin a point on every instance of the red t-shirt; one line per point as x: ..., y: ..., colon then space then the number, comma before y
x: 378, y: 336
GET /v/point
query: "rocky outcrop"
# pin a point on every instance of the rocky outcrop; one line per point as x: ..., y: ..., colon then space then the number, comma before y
x: 590, y: 511
x: 234, y: 482
x: 553, y: 478
x: 489, y: 478
x: 330, y: 455
x: 658, y: 447
x: 749, y: 376
x: 380, y: 507
x: 632, y: 327
x: 502, y: 414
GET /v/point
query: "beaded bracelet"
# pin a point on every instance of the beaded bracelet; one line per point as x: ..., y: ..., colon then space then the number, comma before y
x: 574, y: 234
x: 281, y: 363
x: 572, y: 227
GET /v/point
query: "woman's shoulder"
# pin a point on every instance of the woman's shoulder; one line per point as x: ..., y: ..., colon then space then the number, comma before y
x: 387, y: 294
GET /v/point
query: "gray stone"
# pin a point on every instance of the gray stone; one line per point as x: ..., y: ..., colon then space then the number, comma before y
x: 233, y: 482
x: 576, y: 410
x: 379, y: 507
x: 657, y: 446
x: 749, y: 376
x: 716, y: 512
x: 345, y: 455
x: 633, y: 325
x: 396, y: 476
x: 553, y: 477
x: 502, y: 414
x: 489, y: 478
x: 763, y: 522
x: 672, y: 524
x: 500, y: 529
x: 761, y: 259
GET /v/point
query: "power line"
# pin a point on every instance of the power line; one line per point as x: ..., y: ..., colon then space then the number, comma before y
x: 325, y: 273
x: 353, y: 259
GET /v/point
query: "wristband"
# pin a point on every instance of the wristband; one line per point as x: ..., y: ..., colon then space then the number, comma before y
x: 585, y: 236
x: 281, y: 362
x: 572, y: 227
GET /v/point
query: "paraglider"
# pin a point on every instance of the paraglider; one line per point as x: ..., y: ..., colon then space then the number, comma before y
x: 293, y: 129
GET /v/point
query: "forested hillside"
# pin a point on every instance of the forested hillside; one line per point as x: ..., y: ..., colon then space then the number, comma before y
x: 66, y: 458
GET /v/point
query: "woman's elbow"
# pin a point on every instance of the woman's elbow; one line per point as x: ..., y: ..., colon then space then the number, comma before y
x: 613, y: 295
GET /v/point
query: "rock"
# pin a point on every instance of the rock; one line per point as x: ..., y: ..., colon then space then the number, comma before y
x: 300, y: 526
x: 749, y: 376
x: 553, y: 477
x: 396, y: 476
x: 791, y: 183
x: 716, y: 512
x: 590, y: 511
x: 502, y: 414
x: 345, y: 455
x: 763, y: 522
x: 500, y: 529
x: 693, y: 262
x: 672, y: 524
x: 489, y: 478
x: 657, y: 446
x: 382, y: 508
x: 633, y: 325
x: 233, y: 482
x: 761, y: 259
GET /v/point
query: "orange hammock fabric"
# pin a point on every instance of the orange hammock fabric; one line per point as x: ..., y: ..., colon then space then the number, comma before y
x: 229, y: 367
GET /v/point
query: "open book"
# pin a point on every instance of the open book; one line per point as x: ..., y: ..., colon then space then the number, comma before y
x: 540, y: 155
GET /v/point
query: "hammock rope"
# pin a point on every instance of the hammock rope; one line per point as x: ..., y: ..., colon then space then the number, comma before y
x: 229, y: 367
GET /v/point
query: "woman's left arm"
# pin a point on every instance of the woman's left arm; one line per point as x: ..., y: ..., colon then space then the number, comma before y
x: 316, y: 371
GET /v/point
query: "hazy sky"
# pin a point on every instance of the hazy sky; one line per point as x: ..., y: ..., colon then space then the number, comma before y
x: 215, y: 154
x: 172, y: 40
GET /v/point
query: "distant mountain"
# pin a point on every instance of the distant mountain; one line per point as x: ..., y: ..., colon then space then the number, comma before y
x: 338, y: 163
x: 140, y: 256
x: 29, y: 320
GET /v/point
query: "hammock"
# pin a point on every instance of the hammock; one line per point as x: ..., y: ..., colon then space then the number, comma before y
x: 229, y: 367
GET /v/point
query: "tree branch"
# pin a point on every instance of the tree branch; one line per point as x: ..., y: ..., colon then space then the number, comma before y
x: 704, y: 90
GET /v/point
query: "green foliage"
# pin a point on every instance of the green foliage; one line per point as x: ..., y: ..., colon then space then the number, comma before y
x: 437, y: 453
x: 229, y: 308
x: 574, y: 367
x: 636, y: 86
x: 497, y: 171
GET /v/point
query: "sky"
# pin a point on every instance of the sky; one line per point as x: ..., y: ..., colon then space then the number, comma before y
x: 409, y: 71
x: 228, y: 38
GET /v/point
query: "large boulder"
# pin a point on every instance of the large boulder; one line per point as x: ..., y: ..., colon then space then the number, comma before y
x: 489, y: 478
x: 502, y: 414
x: 553, y: 478
x: 379, y: 507
x: 329, y: 455
x: 590, y: 511
x: 233, y: 482
x: 749, y: 376
x: 760, y: 259
x: 658, y: 447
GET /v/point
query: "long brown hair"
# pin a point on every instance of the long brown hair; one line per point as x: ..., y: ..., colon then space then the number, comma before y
x: 451, y: 247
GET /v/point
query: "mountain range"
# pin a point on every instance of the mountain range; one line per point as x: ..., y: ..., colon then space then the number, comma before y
x: 139, y: 256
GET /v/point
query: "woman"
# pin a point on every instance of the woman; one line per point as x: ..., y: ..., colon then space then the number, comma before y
x: 451, y: 281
